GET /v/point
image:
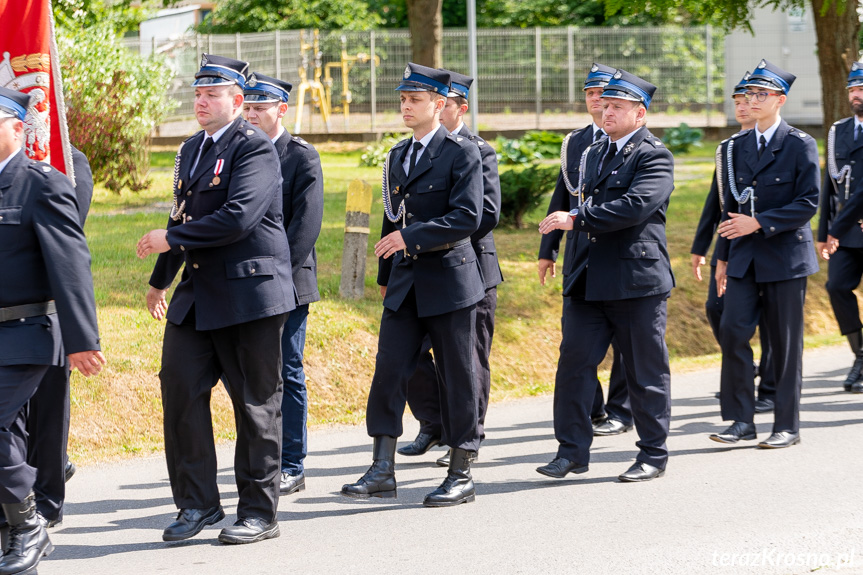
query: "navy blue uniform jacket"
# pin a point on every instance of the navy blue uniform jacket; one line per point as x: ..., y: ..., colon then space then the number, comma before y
x: 833, y: 202
x: 561, y: 199
x: 42, y: 242
x: 622, y: 248
x: 443, y: 201
x: 483, y: 238
x: 785, y: 181
x: 233, y: 243
x: 303, y: 205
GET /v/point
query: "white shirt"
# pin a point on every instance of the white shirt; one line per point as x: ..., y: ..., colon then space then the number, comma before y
x: 596, y: 129
x: 215, y: 138
x: 425, y: 142
x: 768, y: 133
x: 7, y: 160
x: 458, y: 128
x: 279, y: 133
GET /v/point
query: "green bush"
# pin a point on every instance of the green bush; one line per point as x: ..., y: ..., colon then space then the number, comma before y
x: 114, y: 98
x: 376, y: 152
x: 533, y: 146
x: 680, y: 139
x: 522, y: 189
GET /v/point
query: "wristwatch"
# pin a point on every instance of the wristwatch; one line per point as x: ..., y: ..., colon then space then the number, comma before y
x: 573, y: 213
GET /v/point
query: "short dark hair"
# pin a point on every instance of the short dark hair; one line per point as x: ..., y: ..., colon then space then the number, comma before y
x: 460, y: 100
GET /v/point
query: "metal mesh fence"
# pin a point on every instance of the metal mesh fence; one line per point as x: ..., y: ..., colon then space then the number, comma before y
x: 525, y: 75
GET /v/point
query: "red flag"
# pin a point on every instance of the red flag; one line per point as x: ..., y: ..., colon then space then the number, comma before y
x: 30, y: 64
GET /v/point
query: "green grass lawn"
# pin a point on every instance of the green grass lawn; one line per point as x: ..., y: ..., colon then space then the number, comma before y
x: 119, y: 412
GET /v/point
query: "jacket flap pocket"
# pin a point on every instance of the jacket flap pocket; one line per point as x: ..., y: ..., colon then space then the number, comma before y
x: 643, y: 250
x: 777, y: 178
x: 458, y: 257
x: 438, y: 185
x: 254, y: 267
x: 11, y: 215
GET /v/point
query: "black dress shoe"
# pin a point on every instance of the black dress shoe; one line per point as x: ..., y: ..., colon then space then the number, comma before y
x: 736, y: 432
x: 190, y: 522
x: 764, y: 405
x: 420, y: 445
x: 856, y: 372
x: 611, y: 427
x: 559, y: 467
x: 717, y: 395
x: 69, y: 471
x: 249, y: 530
x: 779, y: 440
x: 443, y: 460
x: 857, y: 387
x: 28, y: 540
x: 49, y: 523
x: 641, y: 471
x: 292, y: 483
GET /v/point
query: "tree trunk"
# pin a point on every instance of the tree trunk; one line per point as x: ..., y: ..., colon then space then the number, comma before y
x: 426, y: 25
x: 837, y: 50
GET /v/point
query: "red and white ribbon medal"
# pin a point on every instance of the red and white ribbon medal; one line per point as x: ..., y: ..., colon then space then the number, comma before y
x: 218, y: 170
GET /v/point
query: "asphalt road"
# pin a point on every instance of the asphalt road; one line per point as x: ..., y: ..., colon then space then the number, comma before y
x: 717, y: 510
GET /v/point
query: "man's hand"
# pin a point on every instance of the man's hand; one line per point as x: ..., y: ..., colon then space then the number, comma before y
x: 738, y: 226
x: 544, y: 266
x: 153, y: 242
x: 555, y: 221
x: 389, y: 244
x: 697, y: 262
x: 721, y: 278
x: 156, y: 303
x: 383, y: 292
x: 828, y: 248
x: 87, y: 362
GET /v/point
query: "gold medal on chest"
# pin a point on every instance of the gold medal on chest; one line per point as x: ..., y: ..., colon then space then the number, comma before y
x: 217, y: 180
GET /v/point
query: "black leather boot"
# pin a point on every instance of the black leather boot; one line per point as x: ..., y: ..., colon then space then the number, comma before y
x: 855, y: 340
x: 380, y: 479
x: 458, y: 485
x: 28, y: 539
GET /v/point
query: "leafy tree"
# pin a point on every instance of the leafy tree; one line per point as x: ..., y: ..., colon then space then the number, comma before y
x: 837, y: 28
x: 119, y: 14
x: 232, y: 16
x: 115, y: 98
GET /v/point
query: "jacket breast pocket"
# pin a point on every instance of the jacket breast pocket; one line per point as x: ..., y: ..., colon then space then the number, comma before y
x: 642, y: 264
x: 253, y: 284
x: 458, y: 257
x: 620, y: 180
x: 207, y: 200
x: 777, y: 178
x: 11, y: 235
x: 438, y: 185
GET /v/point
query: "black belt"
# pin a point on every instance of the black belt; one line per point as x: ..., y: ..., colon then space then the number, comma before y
x: 27, y: 310
x: 449, y: 246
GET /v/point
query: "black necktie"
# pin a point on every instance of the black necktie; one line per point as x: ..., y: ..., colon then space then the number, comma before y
x: 208, y: 143
x: 413, y: 161
x: 597, y: 135
x: 762, y: 146
x: 612, y: 150
x: 858, y: 132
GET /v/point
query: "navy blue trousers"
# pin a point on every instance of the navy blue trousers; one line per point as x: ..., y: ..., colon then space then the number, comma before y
x: 295, y: 403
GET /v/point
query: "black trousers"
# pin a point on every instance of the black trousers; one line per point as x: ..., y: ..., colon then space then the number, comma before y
x: 249, y: 356
x: 400, y: 342
x: 617, y: 407
x: 18, y: 383
x: 423, y: 393
x: 714, y: 306
x: 843, y: 277
x: 48, y: 426
x: 638, y: 326
x: 781, y: 305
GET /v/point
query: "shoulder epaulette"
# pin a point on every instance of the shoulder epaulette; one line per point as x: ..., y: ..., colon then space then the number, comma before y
x: 800, y: 134
x: 300, y: 141
x: 842, y: 121
x: 41, y: 167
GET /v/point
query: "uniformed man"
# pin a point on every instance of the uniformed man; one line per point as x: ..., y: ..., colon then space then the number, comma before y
x: 423, y: 395
x: 431, y: 282
x: 266, y: 103
x: 227, y: 313
x: 47, y: 316
x: 841, y: 183
x: 615, y: 416
x: 765, y: 253
x: 710, y: 216
x: 620, y: 281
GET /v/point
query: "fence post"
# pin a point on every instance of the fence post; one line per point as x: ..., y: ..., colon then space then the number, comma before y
x: 359, y: 205
x: 374, y: 80
x: 570, y: 63
x: 209, y: 43
x: 239, y: 52
x: 709, y: 80
x: 278, y: 55
x: 538, y: 59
